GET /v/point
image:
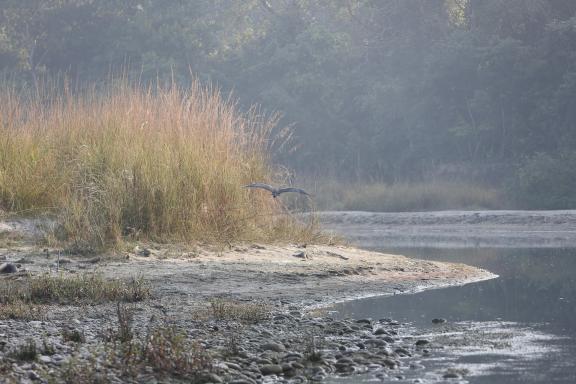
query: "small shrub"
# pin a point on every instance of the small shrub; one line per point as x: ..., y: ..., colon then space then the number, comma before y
x: 74, y: 289
x: 20, y: 310
x: 74, y: 335
x: 168, y: 351
x: 83, y: 371
x: 47, y: 349
x: 25, y: 352
x: 232, y: 310
x: 545, y: 181
x: 125, y: 318
x: 312, y: 346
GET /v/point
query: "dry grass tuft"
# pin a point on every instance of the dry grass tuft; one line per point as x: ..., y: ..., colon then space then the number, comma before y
x: 165, y: 350
x: 20, y: 310
x: 403, y: 197
x: 162, y: 164
x: 89, y: 288
x: 223, y: 309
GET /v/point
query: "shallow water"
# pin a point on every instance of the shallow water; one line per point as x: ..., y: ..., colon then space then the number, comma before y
x: 518, y: 328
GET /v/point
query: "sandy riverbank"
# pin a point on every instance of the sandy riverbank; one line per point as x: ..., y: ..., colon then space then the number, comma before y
x: 285, y: 279
x: 299, y: 274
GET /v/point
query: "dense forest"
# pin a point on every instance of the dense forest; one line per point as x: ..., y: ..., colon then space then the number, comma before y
x: 390, y: 91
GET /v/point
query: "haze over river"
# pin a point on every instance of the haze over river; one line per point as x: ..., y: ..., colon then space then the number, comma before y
x: 517, y: 328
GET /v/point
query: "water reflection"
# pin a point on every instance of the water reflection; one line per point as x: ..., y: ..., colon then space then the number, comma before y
x: 536, y: 290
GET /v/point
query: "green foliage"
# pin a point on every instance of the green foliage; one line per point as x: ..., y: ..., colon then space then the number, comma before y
x: 546, y: 182
x: 374, y: 90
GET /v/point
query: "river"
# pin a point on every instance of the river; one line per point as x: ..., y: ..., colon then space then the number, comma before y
x: 517, y: 328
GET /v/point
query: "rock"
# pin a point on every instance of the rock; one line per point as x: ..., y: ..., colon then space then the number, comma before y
x: 388, y: 339
x: 271, y: 369
x: 390, y: 363
x: 44, y: 359
x: 214, y: 378
x: 144, y: 252
x: 438, y: 321
x: 380, y: 331
x: 451, y: 375
x: 93, y: 260
x: 301, y: 255
x: 233, y: 366
x: 293, y: 356
x: 8, y: 268
x: 345, y: 360
x: 402, y: 352
x: 376, y: 342
x: 364, y: 321
x: 276, y: 347
x: 422, y: 342
x: 33, y: 375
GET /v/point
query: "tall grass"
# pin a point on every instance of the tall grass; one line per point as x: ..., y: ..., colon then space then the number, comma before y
x: 160, y: 163
x: 425, y: 196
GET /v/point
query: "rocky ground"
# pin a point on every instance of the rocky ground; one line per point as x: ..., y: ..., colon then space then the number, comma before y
x: 246, y: 313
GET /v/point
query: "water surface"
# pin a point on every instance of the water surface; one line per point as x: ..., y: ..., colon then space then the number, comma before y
x: 524, y: 321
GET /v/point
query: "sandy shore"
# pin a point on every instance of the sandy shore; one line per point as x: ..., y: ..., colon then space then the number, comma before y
x: 288, y: 280
x: 314, y: 274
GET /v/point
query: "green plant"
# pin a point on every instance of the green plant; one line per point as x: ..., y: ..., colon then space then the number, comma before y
x: 25, y: 352
x: 545, y: 181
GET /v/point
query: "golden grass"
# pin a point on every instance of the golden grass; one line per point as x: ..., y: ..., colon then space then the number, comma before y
x: 249, y: 312
x: 20, y: 310
x: 161, y: 163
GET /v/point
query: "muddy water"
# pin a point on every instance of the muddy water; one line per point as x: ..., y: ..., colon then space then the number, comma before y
x: 518, y: 328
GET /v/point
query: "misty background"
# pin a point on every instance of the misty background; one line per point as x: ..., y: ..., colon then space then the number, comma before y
x: 471, y: 99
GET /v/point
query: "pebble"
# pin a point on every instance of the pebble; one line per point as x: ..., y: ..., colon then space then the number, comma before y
x: 276, y: 347
x: 301, y: 255
x: 271, y: 369
x: 266, y: 348
x: 438, y: 321
x: 8, y: 268
x: 44, y: 359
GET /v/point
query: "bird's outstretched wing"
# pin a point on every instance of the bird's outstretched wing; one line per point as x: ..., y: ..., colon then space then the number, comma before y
x: 297, y: 190
x: 261, y: 185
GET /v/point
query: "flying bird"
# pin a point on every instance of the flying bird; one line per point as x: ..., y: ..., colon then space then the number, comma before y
x: 276, y: 191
